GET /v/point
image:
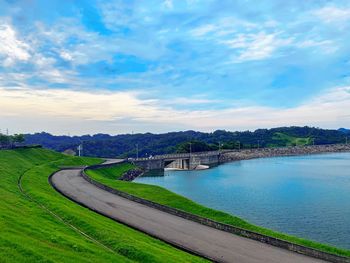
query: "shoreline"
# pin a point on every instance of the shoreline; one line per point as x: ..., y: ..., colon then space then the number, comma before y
x: 217, y: 219
x: 248, y: 154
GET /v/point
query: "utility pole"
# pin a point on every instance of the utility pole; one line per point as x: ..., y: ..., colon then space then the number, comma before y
x: 137, y: 150
x: 239, y: 145
x: 80, y: 149
x: 189, y: 161
x: 346, y: 140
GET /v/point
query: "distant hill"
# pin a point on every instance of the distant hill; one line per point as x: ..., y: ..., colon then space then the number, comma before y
x: 344, y: 130
x: 105, y: 145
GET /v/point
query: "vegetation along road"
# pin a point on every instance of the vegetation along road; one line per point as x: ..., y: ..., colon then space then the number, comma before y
x: 203, y: 240
x: 40, y: 225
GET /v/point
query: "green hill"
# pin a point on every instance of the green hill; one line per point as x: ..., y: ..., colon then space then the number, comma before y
x: 124, y: 145
x: 289, y: 140
x: 40, y: 225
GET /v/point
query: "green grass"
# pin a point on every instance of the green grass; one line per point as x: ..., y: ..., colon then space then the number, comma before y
x: 116, y: 171
x: 162, y: 196
x: 30, y: 233
x: 292, y: 141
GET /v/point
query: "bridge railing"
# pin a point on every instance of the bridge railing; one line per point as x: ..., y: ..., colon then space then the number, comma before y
x: 182, y: 155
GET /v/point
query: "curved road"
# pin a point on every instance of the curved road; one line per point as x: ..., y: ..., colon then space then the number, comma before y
x: 203, y: 240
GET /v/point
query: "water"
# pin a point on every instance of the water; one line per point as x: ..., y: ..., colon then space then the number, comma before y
x: 305, y: 196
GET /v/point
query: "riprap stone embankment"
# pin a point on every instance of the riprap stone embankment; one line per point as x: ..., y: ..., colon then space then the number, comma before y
x: 283, y: 151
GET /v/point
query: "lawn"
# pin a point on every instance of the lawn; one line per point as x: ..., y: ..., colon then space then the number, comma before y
x: 292, y: 141
x: 30, y: 231
x: 162, y: 196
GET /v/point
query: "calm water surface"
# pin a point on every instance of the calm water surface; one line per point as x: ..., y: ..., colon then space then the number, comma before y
x: 305, y: 196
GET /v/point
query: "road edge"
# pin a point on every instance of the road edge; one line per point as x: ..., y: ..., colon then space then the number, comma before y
x: 303, y: 250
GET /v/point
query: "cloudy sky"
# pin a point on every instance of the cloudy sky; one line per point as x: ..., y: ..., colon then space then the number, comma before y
x: 119, y: 66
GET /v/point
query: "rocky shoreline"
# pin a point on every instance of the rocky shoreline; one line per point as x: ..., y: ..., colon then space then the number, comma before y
x: 131, y: 174
x: 283, y: 151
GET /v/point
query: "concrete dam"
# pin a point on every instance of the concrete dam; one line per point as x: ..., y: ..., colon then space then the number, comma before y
x: 190, y: 161
x: 184, y: 161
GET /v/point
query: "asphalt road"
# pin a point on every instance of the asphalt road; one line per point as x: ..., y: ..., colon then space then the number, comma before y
x: 203, y: 240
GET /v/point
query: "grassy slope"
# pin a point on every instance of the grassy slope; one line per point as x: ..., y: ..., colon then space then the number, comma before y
x: 31, y: 234
x: 290, y: 140
x: 162, y: 196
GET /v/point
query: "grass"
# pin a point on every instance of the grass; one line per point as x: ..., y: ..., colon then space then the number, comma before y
x: 30, y: 233
x: 292, y: 141
x: 116, y: 171
x: 162, y: 196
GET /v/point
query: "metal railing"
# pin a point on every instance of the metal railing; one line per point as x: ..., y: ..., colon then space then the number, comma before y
x: 181, y: 155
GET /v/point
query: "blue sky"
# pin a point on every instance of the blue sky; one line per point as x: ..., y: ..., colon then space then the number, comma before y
x: 121, y: 66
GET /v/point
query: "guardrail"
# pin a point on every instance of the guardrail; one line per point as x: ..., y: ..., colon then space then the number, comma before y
x: 217, y: 225
x: 182, y: 155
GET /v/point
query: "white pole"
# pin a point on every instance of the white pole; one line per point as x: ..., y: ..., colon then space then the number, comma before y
x: 189, y: 161
x: 79, y: 150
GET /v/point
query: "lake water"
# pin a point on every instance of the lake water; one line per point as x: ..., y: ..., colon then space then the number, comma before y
x: 305, y: 196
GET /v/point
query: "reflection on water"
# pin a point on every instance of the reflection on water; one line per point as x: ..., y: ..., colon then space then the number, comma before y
x: 306, y: 196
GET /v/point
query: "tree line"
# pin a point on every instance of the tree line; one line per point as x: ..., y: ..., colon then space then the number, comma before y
x: 146, y: 144
x: 11, y: 141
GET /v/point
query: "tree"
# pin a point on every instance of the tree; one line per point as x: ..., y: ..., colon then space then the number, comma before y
x: 195, y: 146
x: 4, y: 140
x: 18, y: 138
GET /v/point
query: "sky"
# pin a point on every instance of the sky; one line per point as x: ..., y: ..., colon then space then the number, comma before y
x: 123, y: 66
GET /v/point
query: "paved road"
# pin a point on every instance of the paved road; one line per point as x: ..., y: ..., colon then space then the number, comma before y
x: 212, y: 243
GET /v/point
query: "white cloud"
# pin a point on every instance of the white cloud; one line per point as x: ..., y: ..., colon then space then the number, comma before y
x: 191, y: 101
x: 92, y: 108
x: 203, y: 30
x: 256, y: 46
x: 116, y: 13
x: 96, y: 106
x: 224, y: 27
x: 330, y: 14
x: 66, y: 56
x: 11, y: 48
x: 168, y: 4
x: 327, y: 46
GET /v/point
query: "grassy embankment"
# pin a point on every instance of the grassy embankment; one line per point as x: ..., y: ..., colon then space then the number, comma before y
x: 290, y: 140
x: 162, y: 196
x: 31, y: 233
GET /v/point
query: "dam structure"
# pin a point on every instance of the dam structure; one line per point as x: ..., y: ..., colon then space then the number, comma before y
x: 181, y: 161
x: 192, y: 161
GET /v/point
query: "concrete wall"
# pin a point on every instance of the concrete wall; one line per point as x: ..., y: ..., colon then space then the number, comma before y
x: 180, y: 163
x: 210, y: 159
x: 151, y: 164
x: 224, y: 227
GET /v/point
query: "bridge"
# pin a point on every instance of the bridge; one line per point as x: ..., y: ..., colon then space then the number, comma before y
x: 183, y: 161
